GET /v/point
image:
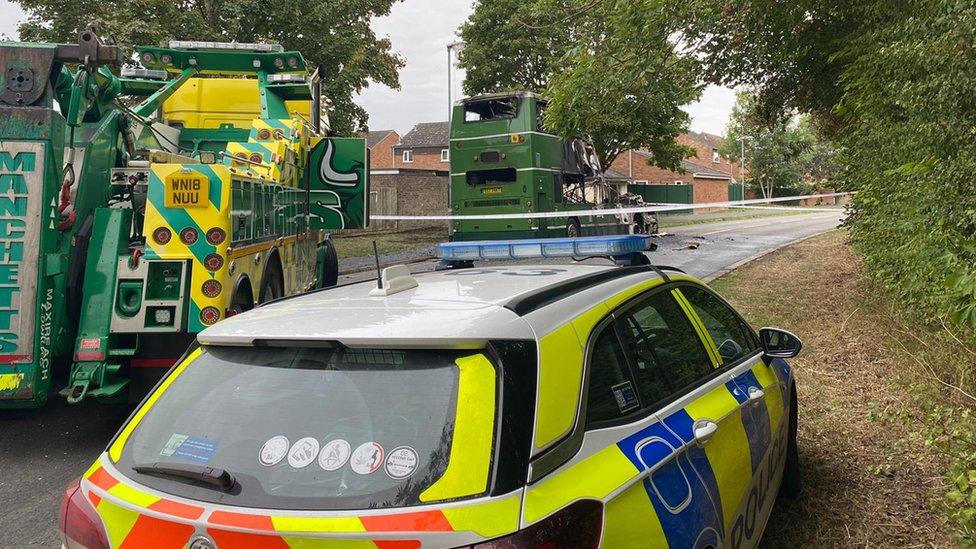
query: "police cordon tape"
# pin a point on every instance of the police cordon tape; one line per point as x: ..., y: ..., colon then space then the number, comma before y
x: 652, y: 208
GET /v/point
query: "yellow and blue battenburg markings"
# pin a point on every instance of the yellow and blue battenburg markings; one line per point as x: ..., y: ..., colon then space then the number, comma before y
x: 755, y: 418
x: 682, y: 489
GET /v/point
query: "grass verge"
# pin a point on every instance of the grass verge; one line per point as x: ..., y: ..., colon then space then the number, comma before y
x: 886, y: 427
x: 391, y: 243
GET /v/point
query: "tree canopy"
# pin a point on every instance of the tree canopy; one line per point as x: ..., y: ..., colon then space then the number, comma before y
x: 335, y: 35
x: 892, y: 83
x: 784, y: 156
x: 610, y: 69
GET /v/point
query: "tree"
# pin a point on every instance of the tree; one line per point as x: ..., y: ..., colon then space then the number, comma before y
x: 891, y: 81
x: 335, y: 35
x: 774, y: 151
x: 609, y: 68
x: 791, y: 53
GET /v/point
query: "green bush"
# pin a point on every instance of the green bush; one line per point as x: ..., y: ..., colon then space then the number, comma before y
x: 910, y: 137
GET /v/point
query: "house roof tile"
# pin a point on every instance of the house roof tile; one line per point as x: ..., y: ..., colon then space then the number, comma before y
x: 426, y: 135
x: 373, y: 138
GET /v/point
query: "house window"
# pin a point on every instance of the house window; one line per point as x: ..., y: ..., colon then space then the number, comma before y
x: 716, y: 157
x: 408, y: 156
x: 445, y: 155
x: 640, y: 182
x: 679, y: 182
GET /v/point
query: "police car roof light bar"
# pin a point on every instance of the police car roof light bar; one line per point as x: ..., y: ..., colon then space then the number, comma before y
x: 616, y: 246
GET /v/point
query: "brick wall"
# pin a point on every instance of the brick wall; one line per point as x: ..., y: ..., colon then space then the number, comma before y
x: 710, y: 190
x: 423, y: 159
x: 635, y: 166
x: 420, y: 193
x: 703, y: 156
x: 630, y: 162
x: 381, y: 155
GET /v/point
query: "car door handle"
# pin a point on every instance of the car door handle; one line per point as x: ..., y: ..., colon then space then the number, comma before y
x: 756, y: 394
x: 704, y: 430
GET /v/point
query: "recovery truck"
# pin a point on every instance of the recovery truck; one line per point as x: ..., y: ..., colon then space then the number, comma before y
x: 140, y: 205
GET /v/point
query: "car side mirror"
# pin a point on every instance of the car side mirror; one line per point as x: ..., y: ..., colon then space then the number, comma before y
x: 778, y: 343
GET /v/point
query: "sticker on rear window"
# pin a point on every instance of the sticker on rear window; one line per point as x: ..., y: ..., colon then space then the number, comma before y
x: 334, y: 454
x: 367, y: 458
x: 401, y: 463
x: 303, y: 453
x: 199, y: 450
x: 274, y: 451
x: 626, y: 396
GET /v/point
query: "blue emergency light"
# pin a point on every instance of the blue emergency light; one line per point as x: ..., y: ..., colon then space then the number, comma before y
x: 616, y: 246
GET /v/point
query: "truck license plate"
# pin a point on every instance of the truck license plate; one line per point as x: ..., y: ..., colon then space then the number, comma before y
x: 187, y: 190
x: 491, y: 190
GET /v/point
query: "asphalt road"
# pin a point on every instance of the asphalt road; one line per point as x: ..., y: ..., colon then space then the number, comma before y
x: 716, y: 246
x: 41, y: 451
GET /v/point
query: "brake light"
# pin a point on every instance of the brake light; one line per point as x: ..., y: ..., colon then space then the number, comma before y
x: 256, y: 158
x: 211, y: 288
x: 162, y: 235
x: 213, y: 262
x: 80, y: 525
x: 189, y: 236
x: 209, y: 315
x: 578, y: 526
x: 216, y: 236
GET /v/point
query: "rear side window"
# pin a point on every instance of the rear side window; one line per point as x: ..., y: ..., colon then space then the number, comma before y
x: 664, y: 346
x: 312, y: 428
x: 611, y: 393
x: 732, y: 336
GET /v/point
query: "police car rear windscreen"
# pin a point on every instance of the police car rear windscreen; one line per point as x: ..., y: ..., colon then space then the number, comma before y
x: 301, y: 428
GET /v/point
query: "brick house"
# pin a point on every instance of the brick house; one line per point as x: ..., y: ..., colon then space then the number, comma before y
x: 425, y: 147
x: 381, y: 144
x: 709, y: 172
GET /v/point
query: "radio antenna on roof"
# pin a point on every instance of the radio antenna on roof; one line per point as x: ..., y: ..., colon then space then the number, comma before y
x: 379, y: 274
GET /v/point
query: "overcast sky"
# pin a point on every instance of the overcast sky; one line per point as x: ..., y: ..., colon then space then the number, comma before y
x: 420, y: 31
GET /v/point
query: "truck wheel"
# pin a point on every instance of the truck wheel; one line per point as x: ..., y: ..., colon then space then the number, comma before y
x: 573, y: 229
x: 327, y: 265
x: 791, y: 485
x: 243, y: 300
x: 272, y: 287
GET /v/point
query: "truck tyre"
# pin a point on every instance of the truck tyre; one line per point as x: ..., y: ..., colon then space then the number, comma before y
x: 328, y: 265
x: 791, y: 485
x: 573, y: 229
x: 273, y: 286
x: 243, y: 298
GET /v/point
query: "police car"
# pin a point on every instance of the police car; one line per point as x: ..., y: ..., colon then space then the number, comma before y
x: 507, y: 405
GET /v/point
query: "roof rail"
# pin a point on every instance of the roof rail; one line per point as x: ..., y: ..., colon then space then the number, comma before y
x: 533, y: 301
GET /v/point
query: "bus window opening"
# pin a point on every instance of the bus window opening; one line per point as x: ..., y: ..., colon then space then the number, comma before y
x: 492, y: 177
x: 494, y: 109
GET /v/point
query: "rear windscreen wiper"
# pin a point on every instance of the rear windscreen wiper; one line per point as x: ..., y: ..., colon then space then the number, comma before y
x: 218, y: 478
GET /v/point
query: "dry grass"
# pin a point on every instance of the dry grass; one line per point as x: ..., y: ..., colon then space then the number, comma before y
x: 868, y: 482
x: 391, y: 243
